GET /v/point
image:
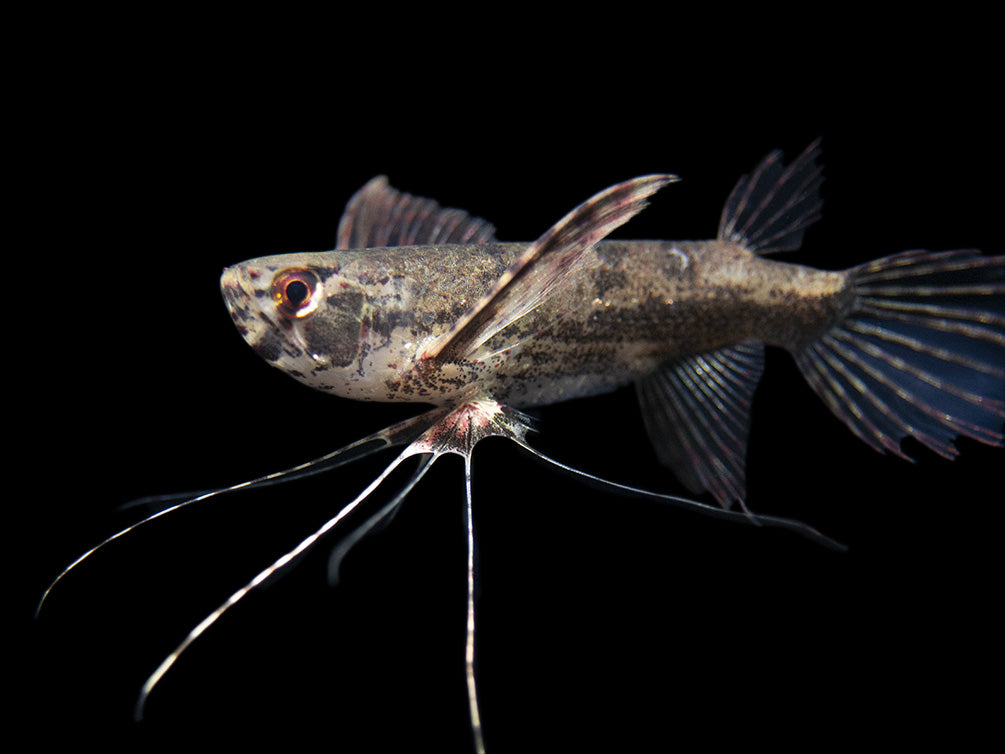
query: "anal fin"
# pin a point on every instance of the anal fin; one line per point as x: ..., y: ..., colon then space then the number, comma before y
x: 697, y: 414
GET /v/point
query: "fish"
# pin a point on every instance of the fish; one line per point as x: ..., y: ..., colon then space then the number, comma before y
x: 420, y: 304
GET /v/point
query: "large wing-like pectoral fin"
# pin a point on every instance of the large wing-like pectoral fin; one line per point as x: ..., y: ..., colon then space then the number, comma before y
x: 545, y: 265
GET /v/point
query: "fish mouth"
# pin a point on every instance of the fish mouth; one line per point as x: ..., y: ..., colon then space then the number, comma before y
x: 237, y: 297
x: 243, y: 300
x: 242, y: 305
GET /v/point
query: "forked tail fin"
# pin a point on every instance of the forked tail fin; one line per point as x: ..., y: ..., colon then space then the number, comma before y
x: 922, y: 352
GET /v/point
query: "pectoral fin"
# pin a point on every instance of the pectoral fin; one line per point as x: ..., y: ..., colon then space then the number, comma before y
x: 697, y: 413
x: 552, y: 260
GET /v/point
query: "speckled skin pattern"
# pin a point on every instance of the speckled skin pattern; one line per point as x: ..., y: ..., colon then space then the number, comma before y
x: 635, y: 305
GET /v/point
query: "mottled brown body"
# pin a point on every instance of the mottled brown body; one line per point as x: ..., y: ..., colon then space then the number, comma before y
x: 648, y: 302
x: 634, y: 305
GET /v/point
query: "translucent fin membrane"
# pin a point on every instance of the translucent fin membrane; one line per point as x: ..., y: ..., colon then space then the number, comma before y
x: 551, y: 261
x: 697, y: 414
x: 921, y: 355
x: 770, y: 209
x: 379, y: 216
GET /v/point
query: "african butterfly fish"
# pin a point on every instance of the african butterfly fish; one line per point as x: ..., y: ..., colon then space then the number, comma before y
x: 420, y: 304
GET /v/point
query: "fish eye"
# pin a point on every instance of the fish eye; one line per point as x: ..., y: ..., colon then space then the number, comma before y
x: 296, y: 292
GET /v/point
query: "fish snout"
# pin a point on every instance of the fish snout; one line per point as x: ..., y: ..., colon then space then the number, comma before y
x: 236, y: 295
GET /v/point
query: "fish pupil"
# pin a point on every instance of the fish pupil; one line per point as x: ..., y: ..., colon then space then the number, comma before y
x: 297, y: 292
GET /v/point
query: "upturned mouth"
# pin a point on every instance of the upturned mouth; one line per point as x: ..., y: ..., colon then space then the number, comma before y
x: 235, y: 295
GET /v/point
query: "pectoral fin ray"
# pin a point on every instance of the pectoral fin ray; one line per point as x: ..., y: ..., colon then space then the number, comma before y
x: 549, y: 262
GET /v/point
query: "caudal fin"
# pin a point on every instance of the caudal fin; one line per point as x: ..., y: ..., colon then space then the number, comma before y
x: 921, y: 354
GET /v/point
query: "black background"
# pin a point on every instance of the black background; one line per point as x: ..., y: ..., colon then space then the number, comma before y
x: 604, y: 623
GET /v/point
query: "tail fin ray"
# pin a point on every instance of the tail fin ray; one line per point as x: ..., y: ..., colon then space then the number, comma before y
x: 921, y: 354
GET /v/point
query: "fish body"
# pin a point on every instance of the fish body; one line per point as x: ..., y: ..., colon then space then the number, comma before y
x: 637, y: 305
x: 421, y: 304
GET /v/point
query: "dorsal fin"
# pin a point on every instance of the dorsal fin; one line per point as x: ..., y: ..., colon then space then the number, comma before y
x: 547, y: 263
x: 378, y: 216
x: 770, y: 209
x: 697, y: 414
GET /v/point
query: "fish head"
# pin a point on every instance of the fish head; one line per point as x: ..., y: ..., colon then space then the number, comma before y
x: 302, y: 316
